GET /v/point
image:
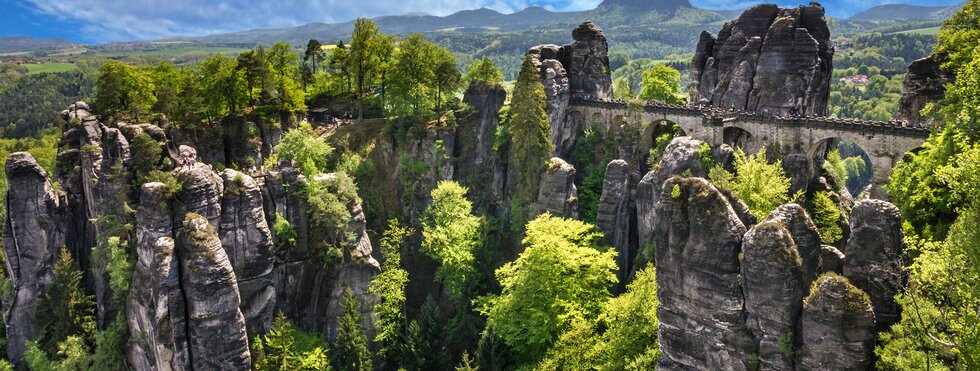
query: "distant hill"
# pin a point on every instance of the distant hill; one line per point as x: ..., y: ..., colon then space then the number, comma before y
x: 478, y: 20
x: 27, y: 44
x: 892, y: 12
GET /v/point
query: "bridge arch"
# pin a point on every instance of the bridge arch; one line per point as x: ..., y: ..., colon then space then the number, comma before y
x: 858, y: 165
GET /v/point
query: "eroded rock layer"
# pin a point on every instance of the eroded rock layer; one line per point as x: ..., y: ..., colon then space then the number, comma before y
x: 770, y: 60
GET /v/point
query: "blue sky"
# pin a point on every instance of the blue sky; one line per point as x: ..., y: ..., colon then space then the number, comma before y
x: 99, y: 21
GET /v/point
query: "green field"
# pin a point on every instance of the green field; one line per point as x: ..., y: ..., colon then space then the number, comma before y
x: 931, y: 31
x: 172, y: 52
x: 49, y: 68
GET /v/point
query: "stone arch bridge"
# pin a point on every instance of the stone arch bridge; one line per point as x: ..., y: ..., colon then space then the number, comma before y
x: 885, y: 143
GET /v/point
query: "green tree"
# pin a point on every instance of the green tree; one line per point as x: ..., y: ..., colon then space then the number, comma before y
x: 826, y: 216
x: 763, y: 186
x: 623, y: 88
x: 66, y: 309
x: 661, y: 83
x: 339, y: 61
x: 221, y: 86
x: 351, y: 345
x: 451, y: 234
x: 447, y: 77
x: 366, y: 47
x: 305, y: 149
x: 284, y: 65
x: 167, y: 80
x: 314, y: 52
x: 483, y: 70
x: 531, y: 145
x: 255, y: 70
x: 121, y: 88
x: 287, y: 348
x: 390, y: 286
x: 412, y: 77
x: 145, y: 155
x: 561, y: 276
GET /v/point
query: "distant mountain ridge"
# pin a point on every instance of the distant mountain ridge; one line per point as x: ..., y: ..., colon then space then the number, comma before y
x: 891, y: 12
x: 26, y: 44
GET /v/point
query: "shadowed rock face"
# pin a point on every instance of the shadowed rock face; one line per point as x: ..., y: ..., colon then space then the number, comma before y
x: 580, y: 69
x: 837, y: 327
x: 247, y: 239
x: 215, y: 325
x: 874, y: 257
x: 770, y: 59
x: 772, y: 281
x: 33, y: 235
x: 698, y: 239
x: 557, y: 194
x: 155, y: 309
x: 924, y: 83
x: 613, y: 216
x: 483, y: 172
x: 805, y: 236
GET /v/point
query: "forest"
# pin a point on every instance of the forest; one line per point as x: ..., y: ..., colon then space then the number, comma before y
x: 515, y: 290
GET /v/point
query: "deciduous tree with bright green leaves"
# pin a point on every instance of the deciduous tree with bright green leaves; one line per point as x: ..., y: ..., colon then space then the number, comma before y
x: 390, y: 285
x: 483, y: 70
x: 451, y: 233
x: 763, y: 186
x: 562, y: 275
x: 661, y: 83
x: 122, y: 88
x: 304, y: 148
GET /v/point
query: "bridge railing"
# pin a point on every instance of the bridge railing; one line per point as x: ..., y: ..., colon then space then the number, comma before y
x: 865, y: 126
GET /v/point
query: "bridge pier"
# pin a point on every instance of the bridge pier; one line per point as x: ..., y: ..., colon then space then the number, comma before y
x: 881, y: 169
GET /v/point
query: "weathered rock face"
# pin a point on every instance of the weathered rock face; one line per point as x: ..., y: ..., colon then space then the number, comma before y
x: 90, y: 167
x: 308, y: 290
x: 33, y: 235
x: 680, y: 156
x: 215, y: 325
x: 873, y: 259
x: 614, y: 214
x: 557, y: 193
x: 247, y: 240
x: 831, y: 259
x: 924, y: 83
x: 587, y: 63
x: 805, y: 236
x: 155, y: 309
x: 698, y: 240
x: 483, y: 172
x: 773, y: 285
x: 577, y: 70
x: 837, y: 329
x: 200, y: 193
x: 768, y: 60
x: 554, y: 77
x: 435, y: 150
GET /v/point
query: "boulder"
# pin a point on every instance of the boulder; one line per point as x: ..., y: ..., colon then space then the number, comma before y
x: 773, y: 285
x: 770, y: 60
x: 587, y: 62
x: 34, y: 233
x: 613, y: 217
x: 200, y: 192
x: 247, y: 240
x: 837, y: 329
x: 698, y: 238
x: 874, y: 257
x: 557, y: 193
x: 831, y: 260
x: 215, y: 325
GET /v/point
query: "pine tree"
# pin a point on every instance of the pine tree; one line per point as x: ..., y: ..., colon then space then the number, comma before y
x: 67, y: 309
x: 530, y: 132
x: 351, y: 346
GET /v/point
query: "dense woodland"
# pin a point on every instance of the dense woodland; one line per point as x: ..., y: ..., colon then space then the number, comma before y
x: 550, y: 307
